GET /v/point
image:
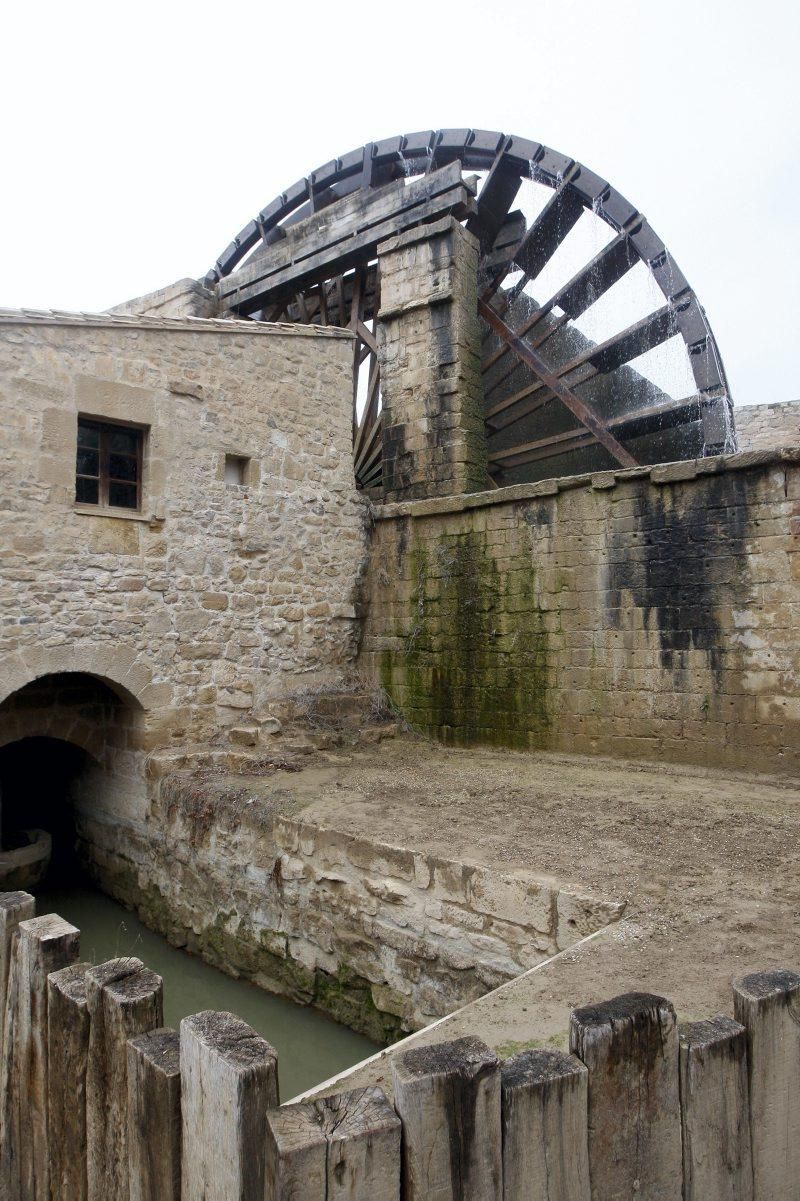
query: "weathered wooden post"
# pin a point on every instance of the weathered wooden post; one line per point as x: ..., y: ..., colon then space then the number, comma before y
x: 154, y: 1116
x: 630, y: 1046
x: 340, y: 1148
x: 768, y: 1006
x: 545, y: 1134
x: 67, y: 1055
x: 15, y: 907
x: 9, y: 1109
x: 42, y: 945
x: 229, y: 1081
x: 448, y: 1097
x: 715, y: 1118
x: 124, y: 999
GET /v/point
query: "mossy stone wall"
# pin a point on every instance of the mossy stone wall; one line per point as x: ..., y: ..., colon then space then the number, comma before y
x: 648, y: 613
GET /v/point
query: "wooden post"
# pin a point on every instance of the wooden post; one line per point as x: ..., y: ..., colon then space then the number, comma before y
x: 448, y: 1097
x: 124, y: 999
x: 229, y: 1081
x: 67, y: 1054
x: 715, y: 1117
x: 340, y: 1148
x: 43, y: 945
x: 630, y: 1046
x: 9, y: 1068
x: 768, y: 1006
x: 545, y: 1135
x: 15, y: 907
x: 154, y: 1116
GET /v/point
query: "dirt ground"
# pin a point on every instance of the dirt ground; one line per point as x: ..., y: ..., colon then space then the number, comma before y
x: 707, y: 863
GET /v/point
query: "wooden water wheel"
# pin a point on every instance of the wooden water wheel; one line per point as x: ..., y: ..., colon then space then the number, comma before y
x: 581, y: 369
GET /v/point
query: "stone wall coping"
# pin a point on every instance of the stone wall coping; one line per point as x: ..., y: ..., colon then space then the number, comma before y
x: 195, y: 325
x: 181, y: 287
x: 772, y: 405
x: 657, y: 474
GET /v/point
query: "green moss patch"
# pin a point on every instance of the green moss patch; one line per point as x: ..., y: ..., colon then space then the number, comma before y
x: 472, y: 666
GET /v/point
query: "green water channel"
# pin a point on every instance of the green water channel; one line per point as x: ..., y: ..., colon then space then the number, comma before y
x: 310, y: 1046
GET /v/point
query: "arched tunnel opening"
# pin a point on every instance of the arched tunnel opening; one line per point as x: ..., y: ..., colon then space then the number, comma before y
x: 69, y: 753
x: 39, y: 777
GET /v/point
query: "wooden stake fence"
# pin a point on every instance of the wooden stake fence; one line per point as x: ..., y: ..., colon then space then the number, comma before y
x: 100, y: 1101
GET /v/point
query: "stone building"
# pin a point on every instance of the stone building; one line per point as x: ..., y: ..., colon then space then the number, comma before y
x: 182, y: 538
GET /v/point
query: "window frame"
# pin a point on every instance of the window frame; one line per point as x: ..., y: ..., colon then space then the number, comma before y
x: 105, y: 427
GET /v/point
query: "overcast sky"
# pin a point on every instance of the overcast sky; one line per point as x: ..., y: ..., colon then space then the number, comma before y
x: 139, y: 138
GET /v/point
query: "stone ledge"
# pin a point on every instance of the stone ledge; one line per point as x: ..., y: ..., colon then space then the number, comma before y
x: 195, y: 325
x: 657, y: 474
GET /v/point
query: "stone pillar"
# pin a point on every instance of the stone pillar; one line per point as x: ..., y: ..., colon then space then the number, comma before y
x: 429, y: 343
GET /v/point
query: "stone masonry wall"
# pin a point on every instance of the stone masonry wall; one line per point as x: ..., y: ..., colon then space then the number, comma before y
x: 184, y: 298
x: 216, y: 597
x: 763, y: 427
x: 382, y: 938
x: 651, y: 612
x: 429, y: 342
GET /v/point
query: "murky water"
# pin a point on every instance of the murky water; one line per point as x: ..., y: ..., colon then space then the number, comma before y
x: 310, y: 1047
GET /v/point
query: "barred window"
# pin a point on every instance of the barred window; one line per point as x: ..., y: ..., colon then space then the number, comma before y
x: 108, y: 471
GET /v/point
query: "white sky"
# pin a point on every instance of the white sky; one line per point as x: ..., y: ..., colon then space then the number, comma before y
x: 139, y: 138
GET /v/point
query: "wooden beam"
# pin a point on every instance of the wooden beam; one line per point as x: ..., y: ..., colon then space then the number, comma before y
x: 597, y: 359
x: 497, y: 195
x: 367, y: 430
x: 543, y: 238
x: 553, y: 326
x: 567, y: 397
x: 545, y: 1130
x: 15, y: 907
x: 585, y: 287
x: 340, y: 1148
x: 344, y: 235
x: 666, y: 414
x: 715, y: 1113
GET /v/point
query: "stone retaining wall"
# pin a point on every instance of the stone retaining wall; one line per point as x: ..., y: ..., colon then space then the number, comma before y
x: 650, y: 612
x: 384, y: 939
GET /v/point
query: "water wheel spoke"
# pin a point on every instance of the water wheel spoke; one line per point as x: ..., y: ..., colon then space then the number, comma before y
x: 371, y: 457
x: 658, y: 416
x: 545, y: 235
x: 580, y: 292
x: 600, y: 359
x: 576, y: 406
x: 495, y: 200
x: 648, y: 333
x: 340, y: 318
x: 538, y: 340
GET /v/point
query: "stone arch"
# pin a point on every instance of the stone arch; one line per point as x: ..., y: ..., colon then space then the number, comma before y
x: 101, y: 717
x: 121, y: 668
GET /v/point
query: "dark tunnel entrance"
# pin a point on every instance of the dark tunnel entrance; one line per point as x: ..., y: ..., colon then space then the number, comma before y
x: 37, y: 781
